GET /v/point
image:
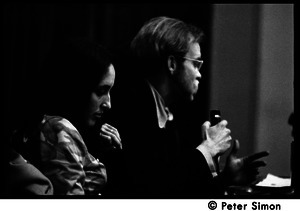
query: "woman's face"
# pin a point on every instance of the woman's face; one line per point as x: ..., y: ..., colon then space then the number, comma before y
x: 99, y: 100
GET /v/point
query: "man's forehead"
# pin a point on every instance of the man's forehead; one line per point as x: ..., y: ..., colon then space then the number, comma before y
x: 194, y: 50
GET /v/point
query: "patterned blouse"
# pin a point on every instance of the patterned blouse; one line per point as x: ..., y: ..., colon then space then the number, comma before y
x: 66, y: 161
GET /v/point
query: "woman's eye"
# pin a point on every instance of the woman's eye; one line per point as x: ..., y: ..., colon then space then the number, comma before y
x: 100, y: 92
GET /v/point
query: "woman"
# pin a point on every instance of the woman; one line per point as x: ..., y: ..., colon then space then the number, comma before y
x: 76, y: 87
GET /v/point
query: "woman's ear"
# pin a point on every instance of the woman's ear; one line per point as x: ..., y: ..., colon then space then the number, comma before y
x: 172, y: 64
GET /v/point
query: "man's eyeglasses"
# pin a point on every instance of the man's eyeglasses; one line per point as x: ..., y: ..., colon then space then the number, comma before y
x: 197, y: 63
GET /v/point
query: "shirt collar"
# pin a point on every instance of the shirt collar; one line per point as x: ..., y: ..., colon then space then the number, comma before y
x: 163, y: 113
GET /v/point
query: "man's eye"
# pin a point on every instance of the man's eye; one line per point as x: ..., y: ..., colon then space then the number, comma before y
x: 195, y: 64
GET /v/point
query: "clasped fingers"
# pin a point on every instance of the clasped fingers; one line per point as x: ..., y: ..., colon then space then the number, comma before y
x: 111, y: 134
x: 218, y: 133
x: 224, y: 143
x: 220, y: 137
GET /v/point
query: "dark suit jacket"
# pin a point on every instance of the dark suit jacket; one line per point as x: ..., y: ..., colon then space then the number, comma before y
x: 154, y: 164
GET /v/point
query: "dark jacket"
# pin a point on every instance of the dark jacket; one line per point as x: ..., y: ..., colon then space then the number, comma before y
x: 23, y: 179
x: 154, y: 164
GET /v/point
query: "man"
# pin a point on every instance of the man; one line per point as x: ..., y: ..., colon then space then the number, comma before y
x: 167, y: 60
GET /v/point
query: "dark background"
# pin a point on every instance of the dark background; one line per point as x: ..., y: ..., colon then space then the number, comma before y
x: 30, y: 30
x: 248, y: 71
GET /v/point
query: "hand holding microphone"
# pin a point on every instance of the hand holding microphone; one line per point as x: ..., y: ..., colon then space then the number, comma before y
x: 216, y: 138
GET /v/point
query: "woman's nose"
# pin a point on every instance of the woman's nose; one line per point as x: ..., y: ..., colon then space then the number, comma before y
x: 107, y: 103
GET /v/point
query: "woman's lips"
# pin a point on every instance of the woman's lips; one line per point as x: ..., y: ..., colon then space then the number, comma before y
x: 98, y: 115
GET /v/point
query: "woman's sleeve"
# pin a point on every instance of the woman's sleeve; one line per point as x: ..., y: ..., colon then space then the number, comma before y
x: 62, y: 163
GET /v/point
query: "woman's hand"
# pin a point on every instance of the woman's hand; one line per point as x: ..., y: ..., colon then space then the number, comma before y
x: 111, y: 135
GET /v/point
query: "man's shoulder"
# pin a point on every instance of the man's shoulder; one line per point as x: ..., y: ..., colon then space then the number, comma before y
x: 139, y: 95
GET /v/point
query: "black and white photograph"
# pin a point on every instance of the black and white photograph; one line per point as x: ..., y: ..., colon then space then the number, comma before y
x: 140, y: 101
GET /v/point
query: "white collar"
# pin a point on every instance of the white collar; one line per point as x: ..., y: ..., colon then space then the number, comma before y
x: 163, y: 113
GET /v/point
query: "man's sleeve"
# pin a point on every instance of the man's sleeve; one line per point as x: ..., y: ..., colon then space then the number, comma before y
x: 209, y: 161
x: 199, y: 181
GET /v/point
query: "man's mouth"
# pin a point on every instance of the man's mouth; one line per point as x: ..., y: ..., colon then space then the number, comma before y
x: 196, y: 89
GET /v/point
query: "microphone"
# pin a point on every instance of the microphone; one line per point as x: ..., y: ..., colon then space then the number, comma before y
x: 215, y: 118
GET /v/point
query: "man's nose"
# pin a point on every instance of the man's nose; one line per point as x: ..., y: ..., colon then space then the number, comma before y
x: 198, y: 75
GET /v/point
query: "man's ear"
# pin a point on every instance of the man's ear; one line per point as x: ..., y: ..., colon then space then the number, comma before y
x: 172, y: 64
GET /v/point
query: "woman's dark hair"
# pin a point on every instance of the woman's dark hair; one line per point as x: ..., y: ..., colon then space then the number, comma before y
x: 73, y: 69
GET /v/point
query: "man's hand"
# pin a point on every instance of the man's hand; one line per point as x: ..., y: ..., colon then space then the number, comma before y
x: 216, y: 138
x: 111, y: 136
x: 242, y: 171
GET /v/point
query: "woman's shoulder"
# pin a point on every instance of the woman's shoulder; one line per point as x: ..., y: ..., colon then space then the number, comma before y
x: 57, y: 122
x: 55, y: 126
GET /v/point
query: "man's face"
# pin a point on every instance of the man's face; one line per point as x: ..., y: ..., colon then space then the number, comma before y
x: 99, y: 100
x: 188, y: 74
